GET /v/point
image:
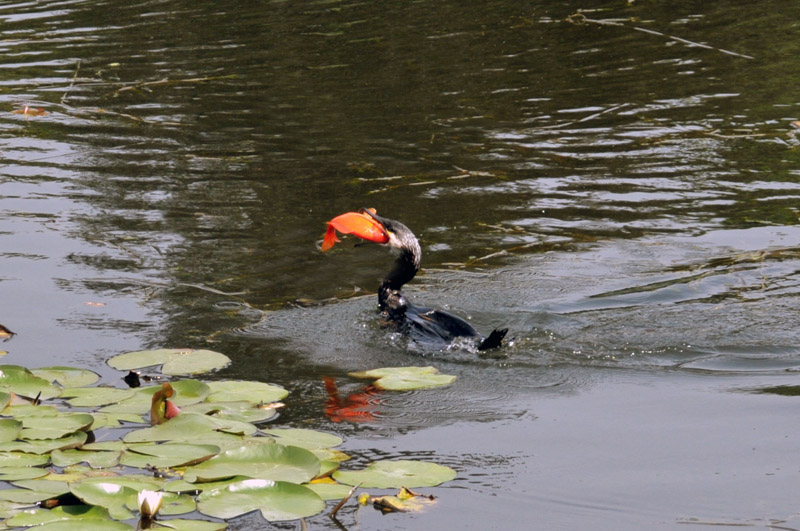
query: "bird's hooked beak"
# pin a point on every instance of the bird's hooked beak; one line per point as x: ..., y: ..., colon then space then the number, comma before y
x: 364, y: 224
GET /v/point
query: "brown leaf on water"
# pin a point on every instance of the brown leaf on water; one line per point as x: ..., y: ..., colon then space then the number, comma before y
x: 159, y: 408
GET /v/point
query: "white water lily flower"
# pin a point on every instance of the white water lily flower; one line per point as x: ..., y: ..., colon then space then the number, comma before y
x: 149, y: 502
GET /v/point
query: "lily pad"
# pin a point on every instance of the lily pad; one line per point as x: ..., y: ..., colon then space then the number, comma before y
x: 183, y: 486
x: 174, y: 361
x: 19, y: 380
x: 330, y: 491
x: 28, y: 496
x: 168, y: 455
x: 192, y: 525
x: 396, y: 474
x: 66, y: 513
x: 44, y: 446
x: 263, y: 461
x: 67, y: 376
x: 186, y: 392
x: 95, y: 396
x: 253, y: 392
x: 189, y: 427
x: 309, y: 439
x: 95, y: 459
x: 5, y: 398
x: 111, y: 493
x: 54, y: 427
x: 14, y: 473
x: 242, y: 411
x: 9, y: 429
x: 22, y: 459
x: 277, y: 500
x: 406, y: 378
x: 86, y: 525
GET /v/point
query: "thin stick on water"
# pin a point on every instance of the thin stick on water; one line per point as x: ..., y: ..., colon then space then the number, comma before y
x: 74, y: 78
x: 579, y: 19
x: 343, y: 501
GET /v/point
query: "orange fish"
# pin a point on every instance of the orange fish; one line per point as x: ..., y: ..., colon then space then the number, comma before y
x: 358, y: 223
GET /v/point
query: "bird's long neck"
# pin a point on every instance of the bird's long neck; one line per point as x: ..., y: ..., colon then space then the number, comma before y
x: 405, y: 268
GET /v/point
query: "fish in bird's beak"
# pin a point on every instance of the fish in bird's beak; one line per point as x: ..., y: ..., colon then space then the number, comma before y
x: 361, y: 224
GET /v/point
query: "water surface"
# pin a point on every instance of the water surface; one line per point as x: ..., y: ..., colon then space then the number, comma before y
x: 619, y: 189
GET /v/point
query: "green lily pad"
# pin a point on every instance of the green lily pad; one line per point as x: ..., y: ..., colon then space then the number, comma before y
x: 174, y: 361
x: 115, y: 420
x: 8, y: 508
x: 242, y: 411
x: 19, y: 380
x: 396, y: 474
x: 54, y: 427
x: 168, y: 455
x: 86, y: 525
x: 330, y: 491
x: 263, y: 461
x: 189, y: 427
x: 192, y: 525
x: 44, y: 446
x: 406, y: 378
x: 95, y: 459
x: 309, y: 439
x: 67, y: 513
x: 95, y: 396
x: 18, y: 411
x: 111, y: 493
x: 67, y: 376
x: 183, y: 486
x: 15, y: 473
x: 28, y: 496
x: 186, y: 392
x: 9, y: 429
x: 52, y: 487
x: 22, y: 459
x: 172, y: 503
x: 253, y: 392
x: 277, y: 500
x: 5, y: 398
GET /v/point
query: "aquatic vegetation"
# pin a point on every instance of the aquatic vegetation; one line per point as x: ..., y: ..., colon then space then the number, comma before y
x: 75, y: 453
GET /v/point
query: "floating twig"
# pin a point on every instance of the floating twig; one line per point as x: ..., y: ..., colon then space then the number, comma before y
x: 341, y: 503
x: 72, y: 84
x: 166, y: 81
x: 580, y: 19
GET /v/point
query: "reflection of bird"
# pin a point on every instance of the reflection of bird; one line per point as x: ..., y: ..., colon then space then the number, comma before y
x: 420, y: 323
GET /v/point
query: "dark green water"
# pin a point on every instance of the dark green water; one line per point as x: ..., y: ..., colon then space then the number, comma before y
x: 626, y: 202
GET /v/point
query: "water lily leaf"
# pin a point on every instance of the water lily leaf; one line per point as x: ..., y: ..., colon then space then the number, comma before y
x: 67, y: 513
x: 22, y: 459
x: 174, y: 361
x: 186, y: 392
x: 114, y: 420
x: 241, y: 410
x: 55, y: 427
x: 86, y: 525
x: 183, y: 486
x: 67, y: 376
x: 95, y: 396
x: 14, y: 473
x: 330, y: 491
x: 8, y: 508
x: 192, y: 525
x: 253, y: 392
x: 111, y: 493
x: 73, y: 440
x: 189, y: 427
x: 396, y: 474
x: 168, y: 455
x: 277, y: 500
x: 18, y: 411
x: 19, y: 380
x: 44, y: 484
x: 95, y: 459
x: 172, y: 503
x: 406, y: 378
x: 261, y: 461
x: 24, y: 495
x: 309, y: 439
x: 5, y: 398
x: 9, y: 429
